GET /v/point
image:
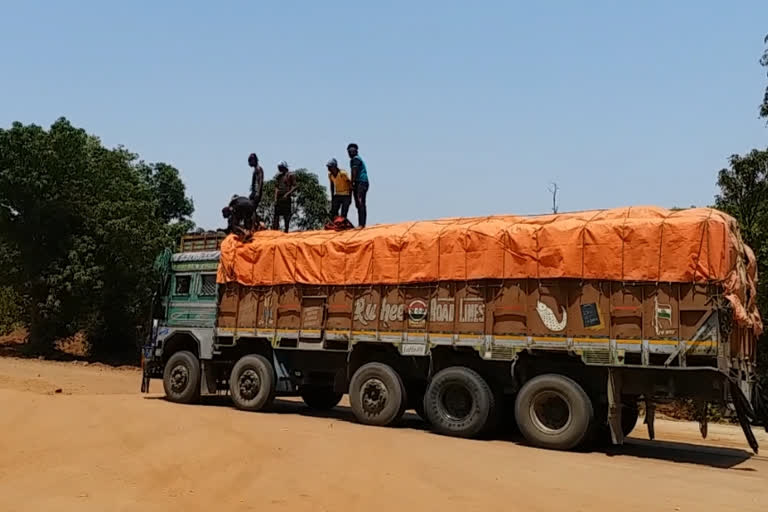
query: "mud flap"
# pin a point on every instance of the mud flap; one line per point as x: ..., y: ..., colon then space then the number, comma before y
x: 744, y: 413
x: 144, y: 382
x: 614, y: 406
x: 208, y: 380
x: 701, y: 415
x: 148, y: 351
x: 145, y: 369
x: 650, y: 417
x: 760, y: 406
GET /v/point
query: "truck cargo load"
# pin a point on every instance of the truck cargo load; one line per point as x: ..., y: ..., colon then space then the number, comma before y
x: 640, y: 244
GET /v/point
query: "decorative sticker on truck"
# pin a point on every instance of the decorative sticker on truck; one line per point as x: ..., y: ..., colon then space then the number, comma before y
x: 390, y: 312
x: 442, y: 310
x: 549, y: 319
x: 591, y: 317
x: 365, y: 313
x: 417, y: 311
x: 267, y: 311
x: 662, y: 321
x: 471, y: 310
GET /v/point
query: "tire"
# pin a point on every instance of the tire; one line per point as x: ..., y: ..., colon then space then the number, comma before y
x: 570, y: 413
x: 459, y: 403
x: 181, y: 378
x: 252, y: 383
x: 320, y: 399
x: 377, y: 395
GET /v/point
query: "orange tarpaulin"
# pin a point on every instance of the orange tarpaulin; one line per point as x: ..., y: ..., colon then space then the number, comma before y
x: 626, y: 244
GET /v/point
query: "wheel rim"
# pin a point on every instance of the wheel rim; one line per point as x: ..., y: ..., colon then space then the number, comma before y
x: 249, y: 384
x: 456, y: 402
x: 179, y: 378
x: 374, y: 396
x: 551, y: 412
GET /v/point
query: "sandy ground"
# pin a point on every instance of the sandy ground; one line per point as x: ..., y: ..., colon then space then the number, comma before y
x: 99, y: 445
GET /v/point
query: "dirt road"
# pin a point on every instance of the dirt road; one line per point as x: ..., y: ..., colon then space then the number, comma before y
x: 98, y: 445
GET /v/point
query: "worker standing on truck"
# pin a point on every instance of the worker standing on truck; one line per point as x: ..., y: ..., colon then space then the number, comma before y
x: 257, y: 185
x: 359, y: 183
x: 341, y: 189
x: 284, y: 189
x: 257, y: 180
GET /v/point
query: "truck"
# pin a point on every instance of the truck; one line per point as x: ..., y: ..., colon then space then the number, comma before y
x: 568, y: 324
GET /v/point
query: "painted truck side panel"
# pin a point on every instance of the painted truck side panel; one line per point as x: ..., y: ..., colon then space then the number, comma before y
x: 606, y: 322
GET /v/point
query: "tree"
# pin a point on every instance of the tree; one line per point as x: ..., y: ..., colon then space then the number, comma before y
x: 311, y: 208
x: 764, y: 63
x: 80, y: 226
x: 10, y: 310
x: 174, y: 207
x: 744, y: 195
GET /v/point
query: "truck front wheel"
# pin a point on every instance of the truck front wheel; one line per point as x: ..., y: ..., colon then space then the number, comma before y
x: 252, y: 383
x: 553, y: 412
x: 459, y: 402
x: 320, y: 399
x: 181, y: 378
x: 377, y: 395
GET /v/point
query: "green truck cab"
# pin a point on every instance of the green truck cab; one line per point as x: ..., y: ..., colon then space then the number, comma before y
x: 184, y: 313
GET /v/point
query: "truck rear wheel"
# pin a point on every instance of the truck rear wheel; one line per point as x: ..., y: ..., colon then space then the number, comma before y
x: 252, y: 383
x: 181, y: 378
x: 321, y: 399
x: 377, y: 395
x: 553, y: 412
x: 459, y: 402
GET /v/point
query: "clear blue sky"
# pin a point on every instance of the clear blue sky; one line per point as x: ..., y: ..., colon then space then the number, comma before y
x: 458, y: 110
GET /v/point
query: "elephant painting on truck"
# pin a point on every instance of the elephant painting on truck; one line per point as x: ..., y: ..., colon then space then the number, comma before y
x: 571, y: 320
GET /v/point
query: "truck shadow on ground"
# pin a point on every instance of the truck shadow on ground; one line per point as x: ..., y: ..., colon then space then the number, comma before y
x: 687, y: 453
x: 679, y: 452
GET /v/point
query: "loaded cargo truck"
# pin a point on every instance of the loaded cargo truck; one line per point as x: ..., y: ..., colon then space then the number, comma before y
x: 566, y: 323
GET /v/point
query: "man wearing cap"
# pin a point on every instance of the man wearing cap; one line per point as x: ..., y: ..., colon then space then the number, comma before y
x: 284, y: 189
x: 359, y: 183
x: 341, y: 189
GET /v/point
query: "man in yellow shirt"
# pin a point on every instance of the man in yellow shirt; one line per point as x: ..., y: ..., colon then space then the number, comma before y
x: 341, y: 189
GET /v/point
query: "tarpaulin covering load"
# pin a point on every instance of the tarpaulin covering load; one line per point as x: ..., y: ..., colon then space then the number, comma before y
x: 626, y: 244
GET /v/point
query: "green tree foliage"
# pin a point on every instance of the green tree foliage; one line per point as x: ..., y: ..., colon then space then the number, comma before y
x: 764, y: 63
x: 173, y: 206
x: 744, y: 195
x: 80, y: 226
x: 10, y: 310
x: 311, y: 207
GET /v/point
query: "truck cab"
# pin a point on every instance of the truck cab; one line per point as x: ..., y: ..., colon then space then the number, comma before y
x: 184, y: 313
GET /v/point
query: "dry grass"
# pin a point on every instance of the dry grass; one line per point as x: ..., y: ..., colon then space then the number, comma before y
x: 77, y: 345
